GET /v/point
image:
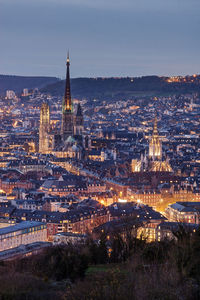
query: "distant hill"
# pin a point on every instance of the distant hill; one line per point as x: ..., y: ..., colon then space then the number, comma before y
x: 18, y: 83
x: 104, y: 88
x: 118, y: 88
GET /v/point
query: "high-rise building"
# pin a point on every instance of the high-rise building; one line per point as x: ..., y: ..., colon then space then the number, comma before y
x: 44, y: 128
x: 67, y: 128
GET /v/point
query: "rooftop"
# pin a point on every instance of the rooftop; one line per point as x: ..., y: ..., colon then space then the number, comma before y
x: 20, y: 226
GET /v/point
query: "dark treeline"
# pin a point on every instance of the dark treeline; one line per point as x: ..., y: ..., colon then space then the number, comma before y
x: 121, y: 88
x: 114, y: 267
x: 100, y: 88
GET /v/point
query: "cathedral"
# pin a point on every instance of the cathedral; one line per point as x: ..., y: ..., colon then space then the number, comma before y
x: 44, y: 128
x: 69, y: 142
x: 155, y: 145
x: 154, y: 162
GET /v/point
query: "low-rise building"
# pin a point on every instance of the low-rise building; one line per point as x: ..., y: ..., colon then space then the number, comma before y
x: 151, y: 197
x: 23, y: 251
x: 184, y: 212
x: 167, y: 230
x: 21, y: 234
x: 69, y: 238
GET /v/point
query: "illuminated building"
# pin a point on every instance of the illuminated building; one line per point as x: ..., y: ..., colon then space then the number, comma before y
x: 67, y: 128
x: 72, y: 123
x: 69, y: 142
x: 23, y: 233
x: 82, y: 223
x: 10, y: 94
x: 135, y: 165
x: 44, y: 129
x: 8, y: 185
x: 154, y: 162
x: 25, y: 92
x: 78, y: 126
x: 184, y: 212
x: 151, y: 198
x: 155, y: 145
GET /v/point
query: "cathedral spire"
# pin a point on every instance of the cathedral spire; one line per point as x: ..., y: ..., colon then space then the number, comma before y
x: 68, y: 56
x: 67, y: 103
x: 67, y: 127
x: 155, y: 127
x: 155, y: 145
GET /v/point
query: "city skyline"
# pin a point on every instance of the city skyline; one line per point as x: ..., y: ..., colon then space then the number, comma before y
x: 112, y: 38
x: 99, y: 175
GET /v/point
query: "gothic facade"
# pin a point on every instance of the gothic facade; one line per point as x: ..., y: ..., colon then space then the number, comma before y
x: 154, y: 162
x: 69, y: 141
x: 44, y: 128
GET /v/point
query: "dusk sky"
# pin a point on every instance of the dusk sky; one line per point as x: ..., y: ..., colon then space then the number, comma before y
x: 105, y: 37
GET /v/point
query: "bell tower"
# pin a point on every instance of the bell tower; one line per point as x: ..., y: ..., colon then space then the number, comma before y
x: 78, y: 126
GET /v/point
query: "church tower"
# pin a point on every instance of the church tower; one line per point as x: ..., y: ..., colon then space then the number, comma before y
x: 67, y: 127
x: 78, y: 126
x: 44, y: 128
x: 155, y: 145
